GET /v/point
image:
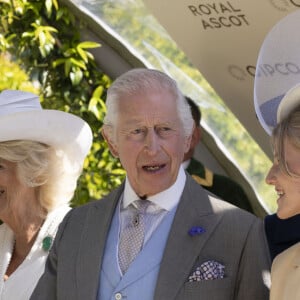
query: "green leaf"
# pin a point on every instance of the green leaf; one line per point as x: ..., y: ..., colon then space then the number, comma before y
x: 58, y: 62
x: 48, y: 4
x: 82, y: 54
x: 76, y: 77
x: 93, y: 107
x: 98, y: 92
x: 78, y: 63
x: 88, y: 45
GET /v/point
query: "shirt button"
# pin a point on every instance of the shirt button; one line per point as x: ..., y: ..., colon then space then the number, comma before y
x: 118, y: 296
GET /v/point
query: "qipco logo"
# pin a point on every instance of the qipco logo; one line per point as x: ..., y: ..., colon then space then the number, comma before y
x: 284, y: 5
x: 295, y: 2
x: 285, y: 69
x: 263, y: 70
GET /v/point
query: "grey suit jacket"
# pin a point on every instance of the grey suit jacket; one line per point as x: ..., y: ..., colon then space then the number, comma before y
x: 233, y: 237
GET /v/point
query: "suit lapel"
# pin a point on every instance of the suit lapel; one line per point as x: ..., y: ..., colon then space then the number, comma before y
x: 182, y: 249
x: 92, y: 244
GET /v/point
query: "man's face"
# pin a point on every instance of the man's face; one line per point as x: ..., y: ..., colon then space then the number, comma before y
x: 150, y: 141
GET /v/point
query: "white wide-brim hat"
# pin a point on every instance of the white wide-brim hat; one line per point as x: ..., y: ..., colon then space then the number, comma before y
x: 277, y: 77
x: 23, y: 118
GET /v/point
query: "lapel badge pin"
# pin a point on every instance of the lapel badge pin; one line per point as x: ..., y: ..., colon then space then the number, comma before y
x: 47, y: 243
x: 196, y: 230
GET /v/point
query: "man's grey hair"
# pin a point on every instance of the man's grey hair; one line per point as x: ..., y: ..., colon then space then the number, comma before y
x: 138, y: 80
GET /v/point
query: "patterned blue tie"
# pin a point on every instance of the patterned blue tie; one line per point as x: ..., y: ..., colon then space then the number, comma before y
x: 132, y: 238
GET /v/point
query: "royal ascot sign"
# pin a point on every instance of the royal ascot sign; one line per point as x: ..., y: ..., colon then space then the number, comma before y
x: 219, y: 15
x: 222, y: 40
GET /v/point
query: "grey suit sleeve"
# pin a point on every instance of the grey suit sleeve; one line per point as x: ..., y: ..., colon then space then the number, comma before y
x: 254, y: 267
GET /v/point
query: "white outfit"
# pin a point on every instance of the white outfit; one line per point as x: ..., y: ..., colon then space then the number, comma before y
x: 21, y: 283
x: 285, y: 275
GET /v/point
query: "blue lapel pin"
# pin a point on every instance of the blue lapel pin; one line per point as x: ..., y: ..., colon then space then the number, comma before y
x: 196, y: 230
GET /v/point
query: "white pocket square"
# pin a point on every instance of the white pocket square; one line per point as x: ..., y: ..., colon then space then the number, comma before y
x: 208, y: 270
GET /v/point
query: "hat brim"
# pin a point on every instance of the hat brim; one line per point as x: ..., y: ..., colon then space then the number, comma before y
x: 268, y: 112
x: 290, y: 101
x: 61, y: 130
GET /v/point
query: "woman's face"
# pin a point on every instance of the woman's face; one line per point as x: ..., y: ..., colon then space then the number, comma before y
x: 13, y: 193
x: 286, y: 187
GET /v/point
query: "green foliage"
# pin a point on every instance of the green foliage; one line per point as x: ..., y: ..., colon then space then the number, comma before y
x: 13, y: 77
x: 43, y: 38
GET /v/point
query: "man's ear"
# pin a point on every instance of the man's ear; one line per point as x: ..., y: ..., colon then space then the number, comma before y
x: 187, y: 145
x: 107, y: 133
x: 195, y: 137
x: 190, y: 144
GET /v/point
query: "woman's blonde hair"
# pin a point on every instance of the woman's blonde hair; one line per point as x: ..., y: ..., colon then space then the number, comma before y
x: 43, y: 167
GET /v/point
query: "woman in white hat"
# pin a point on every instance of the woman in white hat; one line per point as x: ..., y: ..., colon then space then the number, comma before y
x: 41, y: 157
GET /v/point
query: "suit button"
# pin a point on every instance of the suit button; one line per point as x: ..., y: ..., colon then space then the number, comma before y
x: 118, y: 296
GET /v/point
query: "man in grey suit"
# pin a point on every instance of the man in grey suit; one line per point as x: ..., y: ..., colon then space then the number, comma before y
x: 159, y: 235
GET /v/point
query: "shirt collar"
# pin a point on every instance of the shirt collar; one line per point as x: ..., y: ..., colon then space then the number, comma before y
x: 166, y: 199
x: 186, y: 163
